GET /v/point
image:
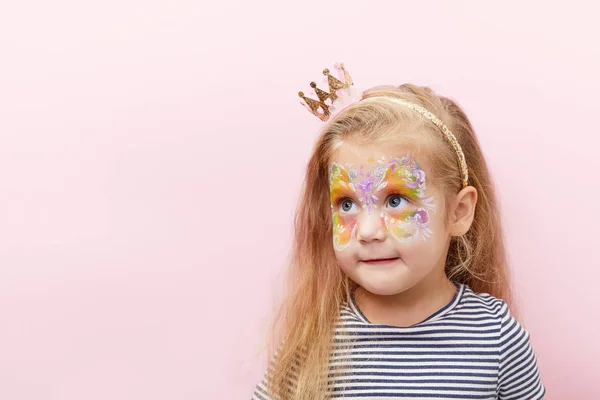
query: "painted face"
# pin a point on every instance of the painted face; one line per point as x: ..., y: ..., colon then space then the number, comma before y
x: 399, y: 181
x: 384, y: 208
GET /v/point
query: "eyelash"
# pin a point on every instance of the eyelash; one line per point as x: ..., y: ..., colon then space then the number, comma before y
x: 343, y: 199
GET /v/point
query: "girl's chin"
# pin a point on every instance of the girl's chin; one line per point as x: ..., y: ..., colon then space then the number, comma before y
x: 383, y: 287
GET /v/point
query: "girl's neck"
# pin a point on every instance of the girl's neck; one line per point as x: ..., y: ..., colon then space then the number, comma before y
x: 409, y: 307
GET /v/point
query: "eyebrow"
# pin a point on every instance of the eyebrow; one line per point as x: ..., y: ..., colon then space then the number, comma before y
x: 340, y: 191
x: 401, y: 189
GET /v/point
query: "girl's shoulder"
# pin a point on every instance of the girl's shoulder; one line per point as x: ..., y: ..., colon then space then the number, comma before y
x: 481, y: 305
x: 518, y: 375
x: 483, y: 308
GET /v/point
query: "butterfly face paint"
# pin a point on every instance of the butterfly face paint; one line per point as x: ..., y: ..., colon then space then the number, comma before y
x: 401, y: 178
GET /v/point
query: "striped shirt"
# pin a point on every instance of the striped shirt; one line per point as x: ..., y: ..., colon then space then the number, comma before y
x: 470, y: 349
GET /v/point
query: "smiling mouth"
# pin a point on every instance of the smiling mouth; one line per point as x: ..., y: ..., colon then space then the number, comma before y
x: 380, y: 261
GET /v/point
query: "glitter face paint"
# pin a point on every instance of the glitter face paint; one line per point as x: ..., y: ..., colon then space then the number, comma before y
x: 399, y: 176
x: 344, y: 230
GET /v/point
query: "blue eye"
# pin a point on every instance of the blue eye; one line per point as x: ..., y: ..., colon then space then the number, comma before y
x: 395, y: 201
x: 346, y: 204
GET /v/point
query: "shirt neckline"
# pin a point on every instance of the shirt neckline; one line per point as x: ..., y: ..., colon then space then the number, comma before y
x: 460, y: 289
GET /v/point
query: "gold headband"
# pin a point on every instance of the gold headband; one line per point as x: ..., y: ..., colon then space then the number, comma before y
x: 322, y: 109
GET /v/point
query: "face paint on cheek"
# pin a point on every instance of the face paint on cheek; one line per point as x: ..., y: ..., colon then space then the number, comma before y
x: 343, y: 231
x: 408, y: 225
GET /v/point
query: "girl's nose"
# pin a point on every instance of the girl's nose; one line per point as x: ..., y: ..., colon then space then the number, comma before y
x: 370, y: 227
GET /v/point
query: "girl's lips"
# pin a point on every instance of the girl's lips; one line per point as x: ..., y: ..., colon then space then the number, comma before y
x: 381, y: 261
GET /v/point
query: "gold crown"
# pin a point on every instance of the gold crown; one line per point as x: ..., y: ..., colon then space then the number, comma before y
x: 334, y: 85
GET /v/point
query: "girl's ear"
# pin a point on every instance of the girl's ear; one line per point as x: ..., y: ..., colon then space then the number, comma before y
x: 462, y: 211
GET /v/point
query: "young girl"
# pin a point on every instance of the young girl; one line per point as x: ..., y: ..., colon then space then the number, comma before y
x: 398, y: 286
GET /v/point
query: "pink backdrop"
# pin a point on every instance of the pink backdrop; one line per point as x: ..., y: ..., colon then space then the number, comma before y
x: 151, y: 154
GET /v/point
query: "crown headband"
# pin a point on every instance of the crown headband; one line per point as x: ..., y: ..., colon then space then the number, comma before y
x: 343, y: 94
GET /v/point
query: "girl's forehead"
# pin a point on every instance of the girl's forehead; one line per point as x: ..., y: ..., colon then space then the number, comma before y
x: 371, y: 155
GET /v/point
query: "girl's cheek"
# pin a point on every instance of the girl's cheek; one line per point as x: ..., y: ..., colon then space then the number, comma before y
x: 408, y: 225
x: 344, y: 231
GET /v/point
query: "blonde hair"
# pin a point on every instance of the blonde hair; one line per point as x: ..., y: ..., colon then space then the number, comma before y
x: 317, y: 287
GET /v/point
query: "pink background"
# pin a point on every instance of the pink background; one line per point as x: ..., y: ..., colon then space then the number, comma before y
x: 151, y: 154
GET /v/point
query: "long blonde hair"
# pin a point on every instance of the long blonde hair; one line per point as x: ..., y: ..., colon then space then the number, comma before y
x: 305, y: 324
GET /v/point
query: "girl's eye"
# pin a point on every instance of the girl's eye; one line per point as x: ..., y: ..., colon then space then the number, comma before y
x: 395, y: 201
x: 346, y: 205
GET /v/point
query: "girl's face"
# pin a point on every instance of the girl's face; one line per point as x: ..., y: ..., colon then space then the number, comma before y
x: 388, y: 232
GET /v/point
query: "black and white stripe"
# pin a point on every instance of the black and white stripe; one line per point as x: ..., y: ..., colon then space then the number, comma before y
x: 470, y: 349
